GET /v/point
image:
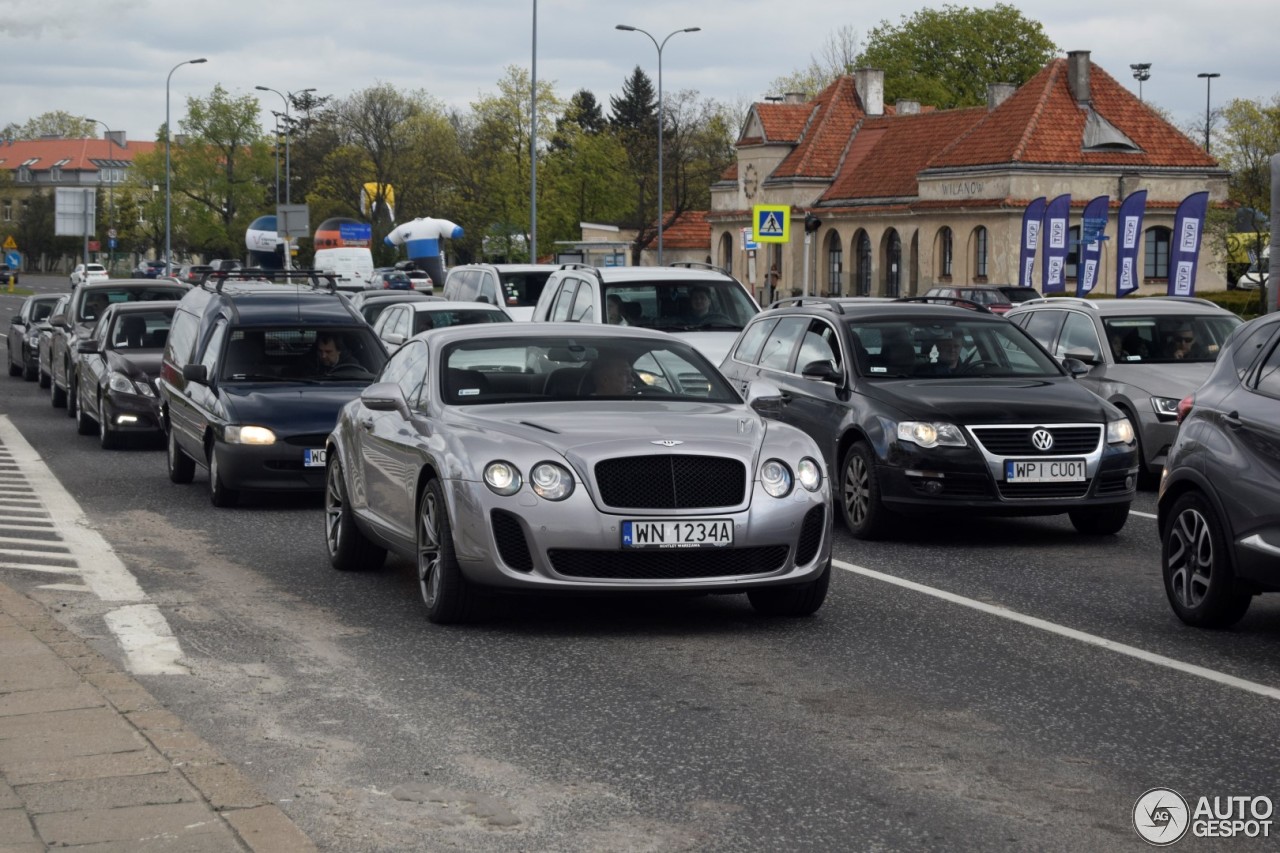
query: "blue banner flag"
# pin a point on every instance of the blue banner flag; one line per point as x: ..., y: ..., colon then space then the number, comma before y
x: 1129, y: 229
x: 1056, y: 216
x: 1031, y: 219
x: 1093, y: 226
x: 1184, y: 251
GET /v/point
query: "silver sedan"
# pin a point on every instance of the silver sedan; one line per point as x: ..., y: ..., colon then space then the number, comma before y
x: 574, y: 458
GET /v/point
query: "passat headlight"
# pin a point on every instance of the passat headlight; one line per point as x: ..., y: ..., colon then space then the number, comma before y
x: 1119, y: 431
x: 551, y: 481
x: 249, y: 435
x: 809, y: 474
x: 120, y: 382
x: 929, y: 434
x: 502, y: 477
x: 1166, y: 407
x: 775, y: 476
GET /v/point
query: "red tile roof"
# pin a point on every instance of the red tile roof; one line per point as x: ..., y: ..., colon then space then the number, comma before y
x: 782, y: 122
x: 690, y: 230
x: 78, y: 152
x: 1042, y: 123
x: 835, y: 114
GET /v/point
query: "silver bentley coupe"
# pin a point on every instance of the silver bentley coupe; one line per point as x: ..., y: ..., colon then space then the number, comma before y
x: 574, y: 458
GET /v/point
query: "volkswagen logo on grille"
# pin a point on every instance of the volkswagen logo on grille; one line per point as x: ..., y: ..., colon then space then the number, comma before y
x: 671, y: 442
x: 1042, y: 439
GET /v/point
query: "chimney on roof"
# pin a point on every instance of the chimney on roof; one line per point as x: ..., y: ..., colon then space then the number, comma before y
x: 907, y: 108
x: 795, y: 97
x: 998, y: 93
x: 1078, y: 76
x: 870, y: 85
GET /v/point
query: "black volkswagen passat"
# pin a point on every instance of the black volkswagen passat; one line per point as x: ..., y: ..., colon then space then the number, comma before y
x: 927, y: 408
x: 116, y: 371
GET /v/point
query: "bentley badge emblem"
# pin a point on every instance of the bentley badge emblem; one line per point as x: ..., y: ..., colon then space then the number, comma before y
x: 667, y: 442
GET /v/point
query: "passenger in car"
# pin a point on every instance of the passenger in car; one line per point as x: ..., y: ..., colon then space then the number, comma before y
x: 610, y: 376
x: 615, y: 310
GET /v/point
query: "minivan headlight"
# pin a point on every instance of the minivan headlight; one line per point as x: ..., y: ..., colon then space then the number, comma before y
x: 1119, y: 432
x: 248, y: 435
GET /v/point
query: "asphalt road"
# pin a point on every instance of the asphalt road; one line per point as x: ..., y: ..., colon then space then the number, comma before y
x: 895, y: 719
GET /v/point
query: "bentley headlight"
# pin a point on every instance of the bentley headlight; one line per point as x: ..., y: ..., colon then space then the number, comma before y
x: 775, y: 476
x: 502, y: 477
x: 809, y: 474
x: 551, y: 481
x: 929, y: 434
x: 1119, y: 431
x: 249, y: 435
x: 1166, y: 407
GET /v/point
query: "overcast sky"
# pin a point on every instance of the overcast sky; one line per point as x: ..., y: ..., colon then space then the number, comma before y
x: 109, y: 59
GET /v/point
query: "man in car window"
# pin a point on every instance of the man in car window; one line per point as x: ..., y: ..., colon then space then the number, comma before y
x: 1184, y: 345
x: 611, y: 377
x: 330, y: 352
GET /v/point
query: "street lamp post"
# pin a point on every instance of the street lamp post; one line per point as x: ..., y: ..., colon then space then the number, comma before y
x: 288, y: 132
x: 168, y: 188
x: 1208, y: 83
x: 1141, y: 73
x: 276, y: 115
x: 111, y: 196
x: 659, y: 46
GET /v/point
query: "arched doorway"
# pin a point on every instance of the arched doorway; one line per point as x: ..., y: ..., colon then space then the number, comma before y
x: 862, y: 264
x: 891, y: 251
x: 725, y: 253
x: 835, y: 265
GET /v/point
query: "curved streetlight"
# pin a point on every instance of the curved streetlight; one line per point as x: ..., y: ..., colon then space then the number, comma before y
x: 1208, y: 81
x: 630, y: 29
x: 111, y: 193
x: 168, y: 191
x: 288, y: 133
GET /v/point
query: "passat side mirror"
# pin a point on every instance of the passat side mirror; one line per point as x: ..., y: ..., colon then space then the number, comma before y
x: 196, y: 373
x: 823, y: 371
x: 87, y: 346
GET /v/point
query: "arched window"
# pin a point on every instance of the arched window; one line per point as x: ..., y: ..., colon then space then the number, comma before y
x: 835, y: 265
x: 892, y: 263
x: 1156, y: 243
x: 862, y: 272
x: 980, y: 254
x: 944, y: 254
x: 726, y: 252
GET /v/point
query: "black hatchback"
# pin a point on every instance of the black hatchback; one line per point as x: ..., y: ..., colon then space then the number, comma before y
x: 1219, y: 505
x: 927, y: 408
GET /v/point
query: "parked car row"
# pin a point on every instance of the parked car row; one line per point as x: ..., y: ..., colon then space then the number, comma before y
x: 652, y: 428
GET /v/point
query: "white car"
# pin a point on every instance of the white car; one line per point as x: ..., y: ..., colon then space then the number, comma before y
x: 86, y: 273
x: 398, y: 323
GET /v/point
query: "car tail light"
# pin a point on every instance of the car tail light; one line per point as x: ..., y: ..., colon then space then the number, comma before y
x: 1184, y: 406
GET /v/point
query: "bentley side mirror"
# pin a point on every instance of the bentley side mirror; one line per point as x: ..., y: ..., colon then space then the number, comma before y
x: 384, y: 397
x: 1074, y: 366
x: 765, y: 399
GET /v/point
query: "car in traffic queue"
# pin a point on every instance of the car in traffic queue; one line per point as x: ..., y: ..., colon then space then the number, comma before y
x: 371, y: 303
x: 193, y: 274
x: 398, y: 323
x: 923, y: 408
x: 88, y: 273
x: 389, y: 279
x: 256, y: 367
x: 660, y: 298
x: 1218, y: 508
x: 81, y: 316
x: 513, y: 287
x: 995, y: 298
x: 116, y: 372
x: 562, y: 458
x: 45, y: 345
x: 149, y: 269
x: 24, y: 334
x: 419, y: 279
x: 9, y: 275
x: 1134, y: 360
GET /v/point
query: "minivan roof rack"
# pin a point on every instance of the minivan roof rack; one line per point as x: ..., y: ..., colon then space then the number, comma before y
x: 799, y: 301
x: 316, y: 278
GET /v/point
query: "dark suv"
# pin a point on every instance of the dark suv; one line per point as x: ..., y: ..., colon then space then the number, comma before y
x: 924, y: 408
x: 1219, y: 505
x: 253, y: 376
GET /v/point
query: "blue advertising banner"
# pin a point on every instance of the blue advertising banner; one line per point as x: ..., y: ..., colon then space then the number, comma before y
x: 1031, y: 219
x: 1129, y: 228
x: 1184, y: 249
x: 1093, y: 225
x: 1056, y: 214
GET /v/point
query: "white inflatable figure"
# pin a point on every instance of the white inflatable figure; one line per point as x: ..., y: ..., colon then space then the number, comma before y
x: 421, y: 238
x: 266, y: 247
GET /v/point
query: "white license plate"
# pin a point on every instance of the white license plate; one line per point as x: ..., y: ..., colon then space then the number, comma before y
x: 313, y: 458
x: 686, y: 533
x: 1044, y: 470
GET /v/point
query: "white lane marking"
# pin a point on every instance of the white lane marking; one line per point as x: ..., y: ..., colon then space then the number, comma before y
x: 101, y: 569
x: 1069, y: 633
x: 1150, y: 515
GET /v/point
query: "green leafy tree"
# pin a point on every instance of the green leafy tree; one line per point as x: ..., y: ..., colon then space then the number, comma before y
x: 223, y: 172
x: 1250, y: 135
x: 58, y: 123
x: 947, y: 57
x: 698, y: 139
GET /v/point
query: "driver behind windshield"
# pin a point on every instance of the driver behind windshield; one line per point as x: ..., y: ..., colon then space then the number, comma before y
x: 330, y: 352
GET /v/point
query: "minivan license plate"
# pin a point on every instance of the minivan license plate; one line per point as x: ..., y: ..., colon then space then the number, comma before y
x: 1044, y: 470
x: 313, y: 458
x: 686, y: 533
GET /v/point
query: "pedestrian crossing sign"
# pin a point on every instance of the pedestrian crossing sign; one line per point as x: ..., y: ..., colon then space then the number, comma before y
x: 771, y: 223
